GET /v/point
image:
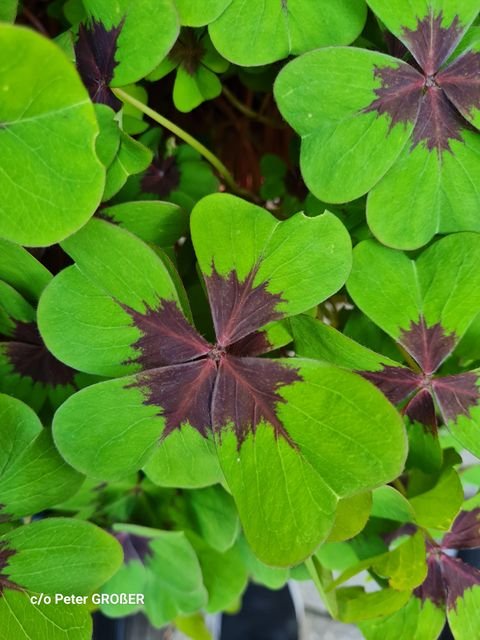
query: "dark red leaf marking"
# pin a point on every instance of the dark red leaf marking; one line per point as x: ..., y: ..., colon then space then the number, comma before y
x: 456, y: 394
x: 428, y: 345
x: 246, y: 394
x: 395, y: 47
x: 421, y: 409
x: 397, y: 383
x: 5, y: 555
x: 252, y: 345
x: 135, y: 548
x: 432, y: 588
x: 438, y: 121
x: 465, y: 532
x: 447, y: 578
x: 461, y: 82
x: 162, y: 177
x: 167, y: 338
x: 458, y: 577
x: 430, y: 43
x: 435, y: 99
x: 399, y: 94
x: 239, y: 308
x: 95, y: 52
x: 183, y: 392
x: 30, y: 358
x: 212, y: 387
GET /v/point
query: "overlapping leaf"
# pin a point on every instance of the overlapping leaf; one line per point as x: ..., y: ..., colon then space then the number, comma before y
x: 426, y: 305
x: 451, y: 586
x: 50, y: 178
x: 28, y: 371
x: 20, y: 270
x: 196, y: 62
x: 271, y: 421
x: 159, y: 223
x: 163, y: 566
x: 8, y: 10
x: 348, y: 103
x: 123, y: 42
x: 32, y: 562
x: 33, y: 476
x: 198, y: 13
x: 250, y: 35
x: 181, y: 177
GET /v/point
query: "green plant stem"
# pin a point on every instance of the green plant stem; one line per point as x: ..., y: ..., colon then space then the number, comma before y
x: 250, y: 113
x: 328, y: 599
x: 190, y: 140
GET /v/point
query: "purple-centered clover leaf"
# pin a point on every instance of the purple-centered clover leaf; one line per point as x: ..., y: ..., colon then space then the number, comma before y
x: 211, y: 385
x: 455, y: 394
x: 426, y: 306
x: 433, y: 96
x: 419, y: 106
x: 212, y: 411
x: 448, y: 578
x: 135, y: 547
x: 95, y: 52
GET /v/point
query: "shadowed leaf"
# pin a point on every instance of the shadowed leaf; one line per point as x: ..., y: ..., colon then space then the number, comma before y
x: 162, y: 176
x: 29, y: 357
x: 95, y: 52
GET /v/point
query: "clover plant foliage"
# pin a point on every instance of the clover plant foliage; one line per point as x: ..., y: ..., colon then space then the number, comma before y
x: 28, y: 370
x: 124, y: 40
x: 196, y: 62
x: 239, y: 312
x: 8, y: 10
x: 420, y: 109
x: 30, y: 557
x: 426, y: 306
x: 248, y: 36
x: 242, y: 402
x: 450, y: 587
x: 194, y: 13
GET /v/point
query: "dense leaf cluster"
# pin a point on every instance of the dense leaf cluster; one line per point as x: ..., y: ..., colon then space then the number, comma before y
x: 239, y: 309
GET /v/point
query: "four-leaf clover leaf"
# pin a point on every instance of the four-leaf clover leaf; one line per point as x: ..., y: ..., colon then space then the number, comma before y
x: 292, y: 436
